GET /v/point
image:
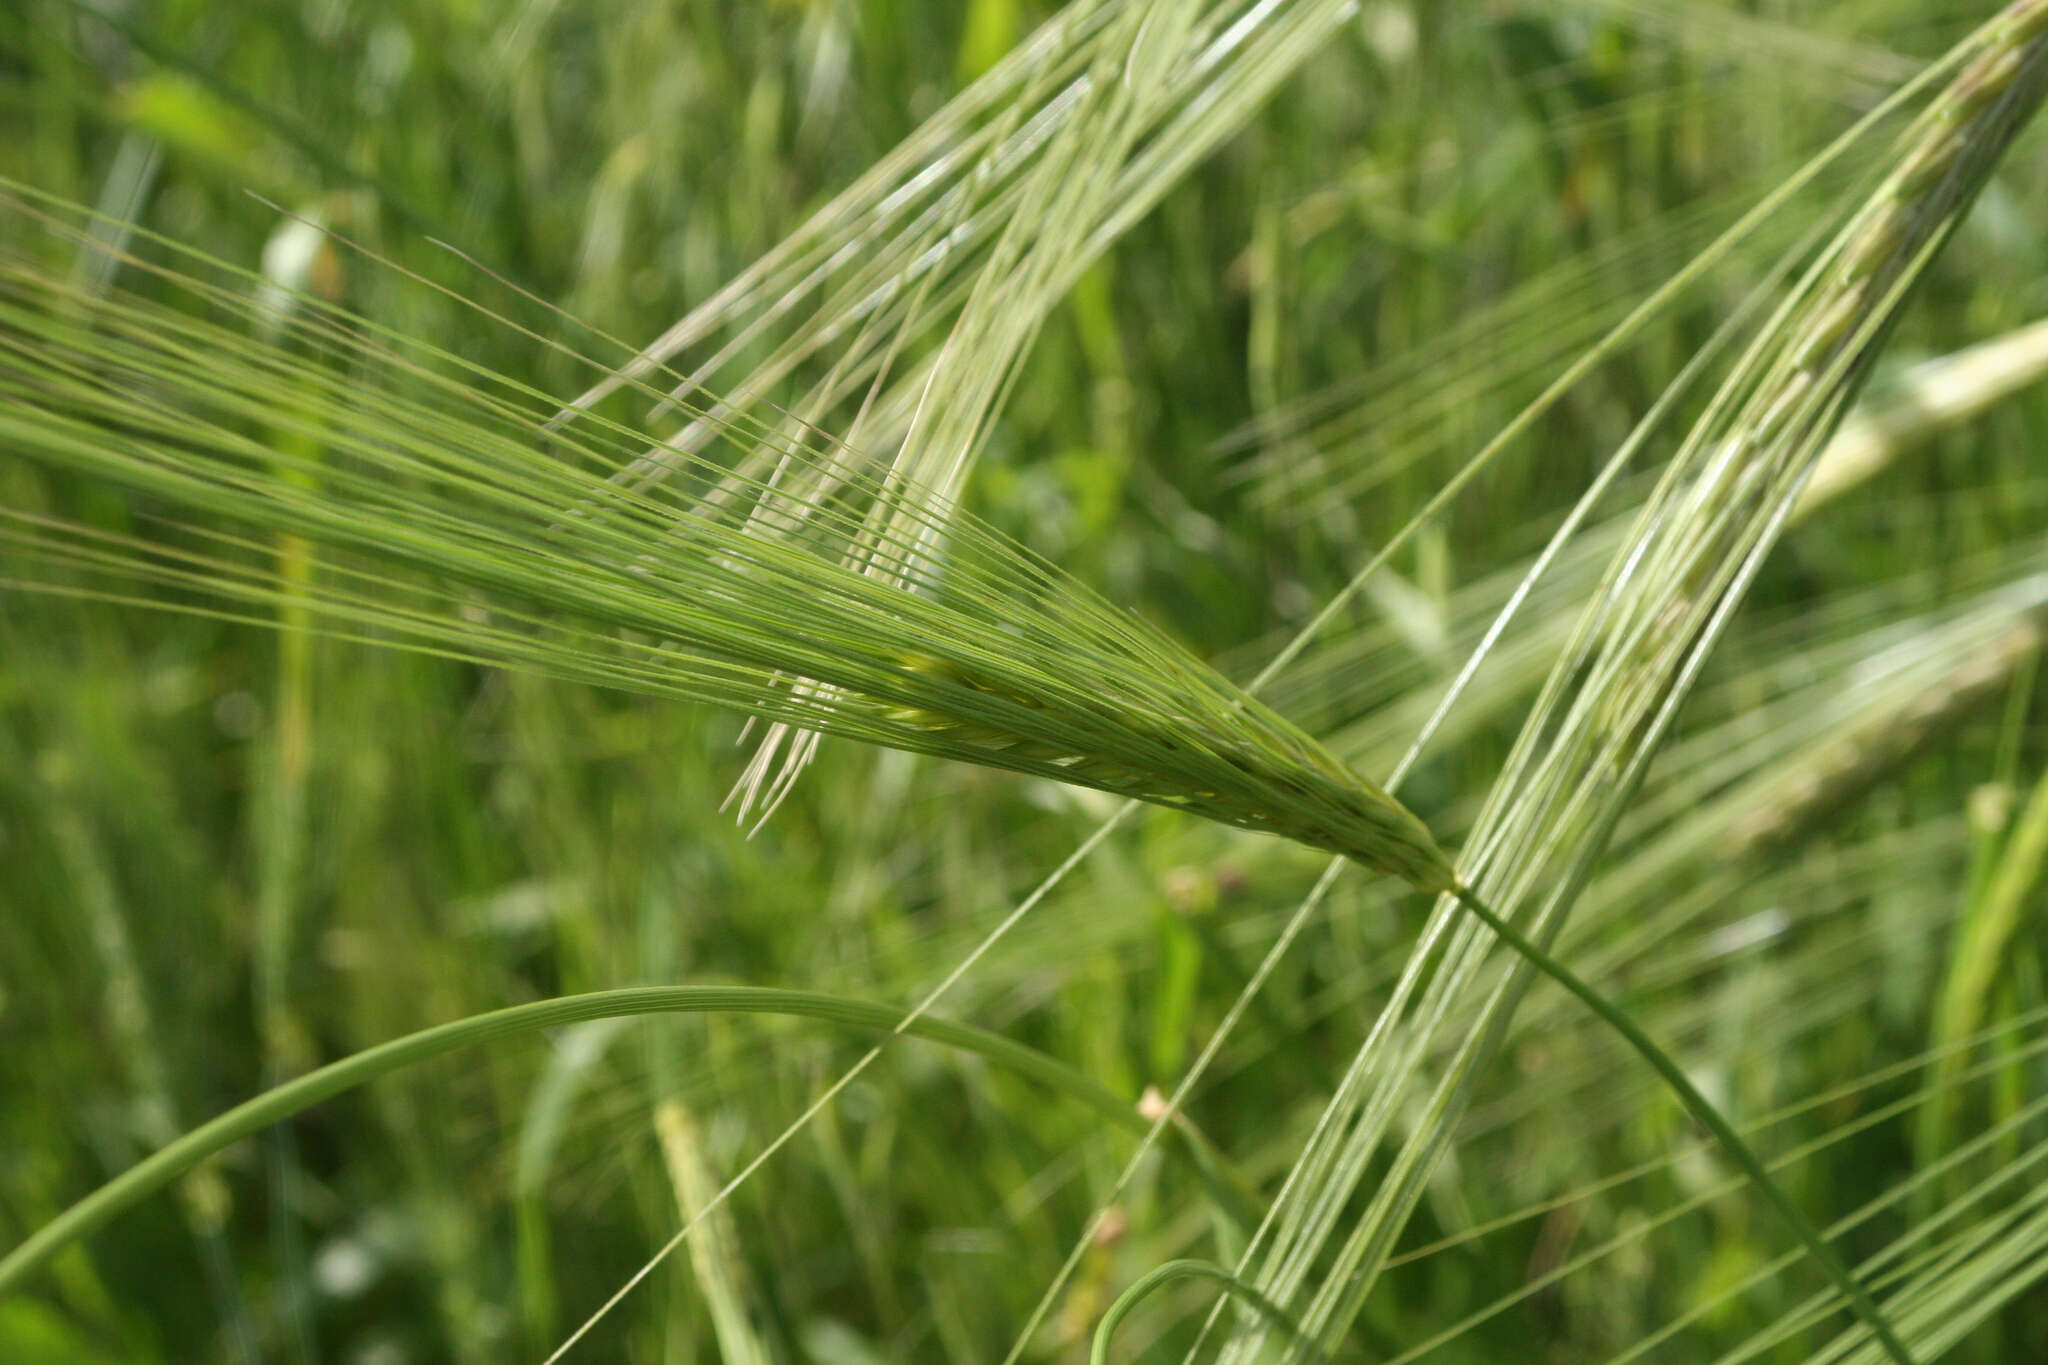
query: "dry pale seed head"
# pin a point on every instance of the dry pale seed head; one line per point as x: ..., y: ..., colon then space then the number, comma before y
x: 1831, y: 779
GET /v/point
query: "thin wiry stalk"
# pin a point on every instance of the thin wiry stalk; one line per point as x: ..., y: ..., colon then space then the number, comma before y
x: 1703, y: 1110
x: 1833, y: 1096
x: 1872, y: 1269
x: 1890, y: 1266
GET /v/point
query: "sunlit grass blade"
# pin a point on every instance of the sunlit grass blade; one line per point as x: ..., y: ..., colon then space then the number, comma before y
x: 715, y: 1253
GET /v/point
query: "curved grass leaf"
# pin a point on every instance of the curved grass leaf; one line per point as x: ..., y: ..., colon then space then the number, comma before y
x: 181, y: 1155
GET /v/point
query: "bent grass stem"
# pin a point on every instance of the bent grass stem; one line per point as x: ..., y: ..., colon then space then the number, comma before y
x: 1166, y: 1274
x: 1702, y: 1109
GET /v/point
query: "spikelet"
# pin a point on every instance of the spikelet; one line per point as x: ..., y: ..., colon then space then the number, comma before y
x: 449, y: 517
x: 1771, y: 422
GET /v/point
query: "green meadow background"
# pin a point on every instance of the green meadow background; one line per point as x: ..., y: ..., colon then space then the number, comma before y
x: 229, y: 855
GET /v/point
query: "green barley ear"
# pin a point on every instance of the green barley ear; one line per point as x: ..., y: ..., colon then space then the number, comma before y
x: 451, y: 516
x: 1635, y: 653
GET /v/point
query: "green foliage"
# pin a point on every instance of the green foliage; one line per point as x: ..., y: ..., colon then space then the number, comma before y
x: 1038, y: 371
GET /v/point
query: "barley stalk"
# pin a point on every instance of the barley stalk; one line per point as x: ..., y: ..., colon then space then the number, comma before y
x: 1825, y: 340
x: 1639, y: 647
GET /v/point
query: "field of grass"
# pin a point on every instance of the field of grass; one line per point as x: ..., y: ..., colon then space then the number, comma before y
x: 394, y: 600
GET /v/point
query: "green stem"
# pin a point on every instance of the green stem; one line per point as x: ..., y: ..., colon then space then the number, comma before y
x: 1183, y: 1270
x: 1702, y: 1109
x: 166, y: 1164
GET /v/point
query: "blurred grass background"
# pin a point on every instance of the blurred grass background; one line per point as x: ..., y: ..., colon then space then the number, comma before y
x: 232, y: 855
